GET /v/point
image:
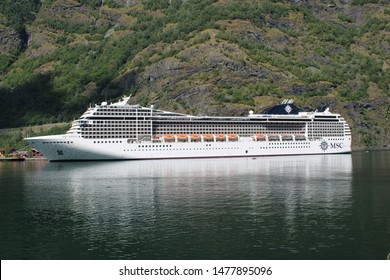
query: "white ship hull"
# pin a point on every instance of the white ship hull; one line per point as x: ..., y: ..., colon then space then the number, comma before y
x: 67, y: 148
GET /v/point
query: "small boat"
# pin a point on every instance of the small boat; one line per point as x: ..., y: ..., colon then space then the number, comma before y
x: 208, y: 137
x: 287, y: 138
x: 233, y: 137
x: 195, y: 137
x: 182, y: 137
x: 260, y: 137
x: 273, y: 138
x: 169, y: 138
x: 300, y: 137
x: 220, y: 137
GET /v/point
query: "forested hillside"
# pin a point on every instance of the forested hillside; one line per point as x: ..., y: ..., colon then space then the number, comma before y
x: 197, y: 56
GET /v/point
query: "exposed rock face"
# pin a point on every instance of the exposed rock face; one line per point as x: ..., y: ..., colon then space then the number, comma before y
x: 9, y: 40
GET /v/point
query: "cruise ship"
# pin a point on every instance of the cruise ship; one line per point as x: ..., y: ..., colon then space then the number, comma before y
x: 120, y: 131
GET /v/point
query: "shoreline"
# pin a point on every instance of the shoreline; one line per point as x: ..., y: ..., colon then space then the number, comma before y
x: 23, y: 159
x: 45, y: 159
x: 37, y: 159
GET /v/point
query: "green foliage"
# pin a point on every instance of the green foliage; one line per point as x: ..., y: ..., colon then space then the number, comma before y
x: 332, y: 31
x: 91, y: 3
x: 75, y: 27
x: 348, y: 93
x: 374, y: 25
x: 363, y: 2
x: 311, y: 53
x: 345, y: 18
x: 34, y: 97
x: 202, y: 38
x: 19, y: 13
x: 5, y: 62
x: 156, y: 4
x: 13, y: 138
x: 198, y: 15
x: 275, y: 10
x: 245, y: 95
x: 112, y: 4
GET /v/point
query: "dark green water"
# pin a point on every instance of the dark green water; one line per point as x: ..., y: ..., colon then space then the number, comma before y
x: 303, y: 207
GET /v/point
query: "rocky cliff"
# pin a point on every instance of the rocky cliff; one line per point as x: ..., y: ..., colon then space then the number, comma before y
x: 201, y: 57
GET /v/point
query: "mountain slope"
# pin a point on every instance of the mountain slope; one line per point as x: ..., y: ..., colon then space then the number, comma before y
x: 200, y: 57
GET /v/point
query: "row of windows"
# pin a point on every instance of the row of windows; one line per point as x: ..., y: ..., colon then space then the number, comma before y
x: 201, y: 123
x: 281, y: 143
x: 111, y: 136
x: 316, y: 135
x: 99, y: 124
x: 120, y: 114
x: 161, y: 146
x: 199, y: 130
x: 183, y: 149
x: 116, y: 128
x: 186, y: 122
x: 212, y: 149
x: 243, y: 131
x: 246, y: 131
x: 105, y: 142
x: 318, y: 130
x: 147, y: 137
x: 58, y: 142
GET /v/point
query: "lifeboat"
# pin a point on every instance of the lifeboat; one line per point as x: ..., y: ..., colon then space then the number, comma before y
x: 233, y: 137
x: 195, y: 137
x: 220, y: 137
x: 260, y: 137
x: 169, y: 138
x: 287, y: 138
x: 208, y: 137
x: 273, y: 138
x: 300, y: 137
x: 182, y: 137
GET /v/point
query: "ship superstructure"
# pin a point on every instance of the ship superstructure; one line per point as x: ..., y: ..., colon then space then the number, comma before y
x: 122, y: 131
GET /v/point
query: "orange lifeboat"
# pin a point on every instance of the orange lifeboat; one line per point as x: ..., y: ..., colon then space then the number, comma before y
x: 233, y: 137
x: 169, y: 137
x: 195, y: 137
x: 220, y: 137
x: 208, y: 137
x: 182, y: 137
x: 260, y: 137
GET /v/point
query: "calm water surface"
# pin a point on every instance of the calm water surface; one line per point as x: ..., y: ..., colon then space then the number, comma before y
x: 303, y: 207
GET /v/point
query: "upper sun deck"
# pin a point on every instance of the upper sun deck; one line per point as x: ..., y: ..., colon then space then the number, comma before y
x: 286, y: 111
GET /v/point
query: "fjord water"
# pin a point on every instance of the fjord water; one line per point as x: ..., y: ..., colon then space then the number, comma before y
x: 298, y: 207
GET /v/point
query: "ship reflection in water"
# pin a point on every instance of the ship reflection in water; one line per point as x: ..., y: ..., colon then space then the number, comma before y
x: 260, y: 208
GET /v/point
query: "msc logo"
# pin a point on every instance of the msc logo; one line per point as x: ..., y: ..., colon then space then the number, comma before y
x: 324, y: 145
x: 336, y: 145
